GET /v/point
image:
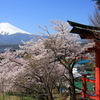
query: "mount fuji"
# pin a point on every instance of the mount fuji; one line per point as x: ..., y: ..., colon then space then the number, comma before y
x: 10, y: 34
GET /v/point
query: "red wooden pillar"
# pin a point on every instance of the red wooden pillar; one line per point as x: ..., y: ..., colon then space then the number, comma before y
x: 97, y: 70
x: 83, y: 87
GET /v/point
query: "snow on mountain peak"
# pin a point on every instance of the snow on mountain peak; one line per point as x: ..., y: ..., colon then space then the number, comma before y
x: 6, y: 28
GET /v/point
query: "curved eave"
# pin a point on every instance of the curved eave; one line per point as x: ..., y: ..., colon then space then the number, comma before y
x: 83, y: 26
x: 85, y: 31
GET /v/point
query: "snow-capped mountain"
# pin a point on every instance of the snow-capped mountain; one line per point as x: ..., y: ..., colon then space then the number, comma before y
x: 6, y: 28
x: 10, y: 34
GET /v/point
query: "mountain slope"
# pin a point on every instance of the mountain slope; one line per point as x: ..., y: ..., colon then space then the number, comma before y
x: 10, y: 34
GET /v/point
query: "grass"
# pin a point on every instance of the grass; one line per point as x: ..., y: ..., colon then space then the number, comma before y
x: 10, y: 97
x: 56, y: 97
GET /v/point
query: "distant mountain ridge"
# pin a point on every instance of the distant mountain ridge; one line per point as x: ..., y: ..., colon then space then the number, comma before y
x: 15, y: 38
x: 10, y: 34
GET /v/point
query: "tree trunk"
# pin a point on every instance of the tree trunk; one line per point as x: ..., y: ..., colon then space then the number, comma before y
x: 72, y: 87
x: 50, y: 96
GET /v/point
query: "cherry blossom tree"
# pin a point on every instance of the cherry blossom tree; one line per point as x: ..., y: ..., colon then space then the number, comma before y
x: 39, y: 65
x: 30, y: 75
x: 62, y: 47
x: 41, y: 78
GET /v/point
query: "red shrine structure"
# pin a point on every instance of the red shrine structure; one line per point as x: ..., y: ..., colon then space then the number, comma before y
x: 90, y: 32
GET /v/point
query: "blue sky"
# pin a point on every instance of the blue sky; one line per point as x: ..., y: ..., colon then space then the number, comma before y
x: 27, y: 14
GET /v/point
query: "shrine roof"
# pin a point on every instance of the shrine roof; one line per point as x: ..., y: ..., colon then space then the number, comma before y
x: 85, y: 31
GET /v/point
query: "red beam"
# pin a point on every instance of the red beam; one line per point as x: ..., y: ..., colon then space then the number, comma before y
x: 90, y: 50
x: 90, y: 96
x: 90, y: 80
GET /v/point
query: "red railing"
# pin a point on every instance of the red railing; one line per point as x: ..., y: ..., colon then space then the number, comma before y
x: 84, y: 89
